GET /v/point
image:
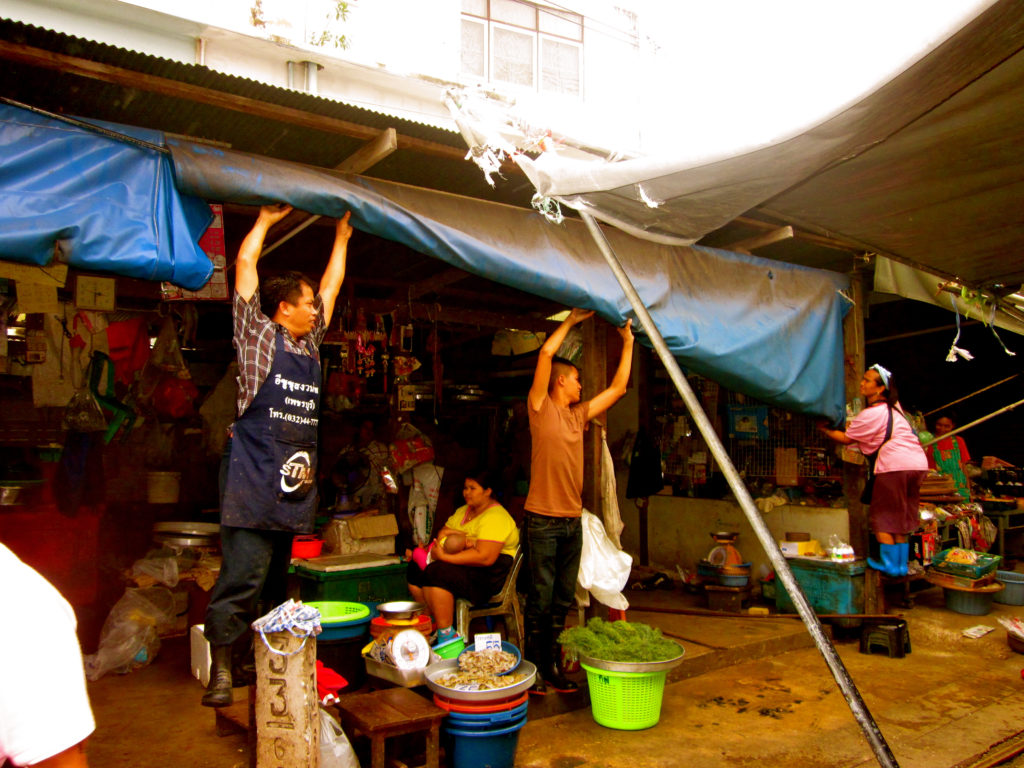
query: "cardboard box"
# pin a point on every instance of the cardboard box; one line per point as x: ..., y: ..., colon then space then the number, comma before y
x: 370, y: 534
x: 200, y: 654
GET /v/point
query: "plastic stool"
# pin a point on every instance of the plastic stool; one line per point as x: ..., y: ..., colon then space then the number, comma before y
x: 892, y: 635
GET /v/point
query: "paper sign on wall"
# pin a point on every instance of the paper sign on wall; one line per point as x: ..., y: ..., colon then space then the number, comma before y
x: 33, y: 297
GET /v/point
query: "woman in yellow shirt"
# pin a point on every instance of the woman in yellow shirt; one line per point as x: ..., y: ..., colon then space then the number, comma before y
x: 478, y: 571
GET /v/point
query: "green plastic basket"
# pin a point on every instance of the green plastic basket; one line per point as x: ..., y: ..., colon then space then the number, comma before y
x: 626, y: 701
x: 985, y: 564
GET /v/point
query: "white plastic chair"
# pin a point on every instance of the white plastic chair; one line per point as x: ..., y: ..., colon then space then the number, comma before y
x: 504, y: 604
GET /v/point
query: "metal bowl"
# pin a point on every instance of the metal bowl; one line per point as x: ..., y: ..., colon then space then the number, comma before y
x: 633, y: 666
x: 401, y: 610
x: 448, y: 666
x: 186, y: 528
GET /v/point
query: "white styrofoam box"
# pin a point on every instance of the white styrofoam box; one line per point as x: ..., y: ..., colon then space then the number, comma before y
x: 200, y: 654
x: 800, y: 548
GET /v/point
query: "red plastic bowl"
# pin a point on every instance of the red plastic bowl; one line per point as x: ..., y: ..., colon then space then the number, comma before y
x: 307, y: 546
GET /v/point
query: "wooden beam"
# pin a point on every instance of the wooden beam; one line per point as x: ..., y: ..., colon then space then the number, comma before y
x: 432, y: 284
x: 828, y: 242
x: 595, y: 379
x: 453, y: 316
x: 364, y: 158
x: 854, y: 364
x: 75, y: 65
x: 759, y: 241
x: 371, y: 153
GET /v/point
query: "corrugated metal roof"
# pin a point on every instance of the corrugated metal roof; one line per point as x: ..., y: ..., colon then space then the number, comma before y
x: 94, y: 96
x: 205, y: 77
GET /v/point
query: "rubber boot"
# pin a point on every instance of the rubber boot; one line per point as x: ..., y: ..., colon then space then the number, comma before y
x: 890, y: 554
x: 218, y: 692
x: 903, y: 558
x: 243, y: 662
x: 553, y: 672
x: 537, y: 650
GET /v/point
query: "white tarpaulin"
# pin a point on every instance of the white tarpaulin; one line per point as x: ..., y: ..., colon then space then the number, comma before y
x: 910, y: 283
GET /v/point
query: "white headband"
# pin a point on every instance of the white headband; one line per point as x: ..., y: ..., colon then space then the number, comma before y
x: 883, y: 374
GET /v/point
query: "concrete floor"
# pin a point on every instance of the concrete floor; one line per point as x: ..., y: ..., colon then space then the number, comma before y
x: 751, y: 691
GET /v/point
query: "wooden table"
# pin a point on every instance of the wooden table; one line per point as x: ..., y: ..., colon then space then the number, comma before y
x: 391, y: 712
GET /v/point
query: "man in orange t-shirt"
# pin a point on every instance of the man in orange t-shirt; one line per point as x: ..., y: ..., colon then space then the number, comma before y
x: 553, y: 533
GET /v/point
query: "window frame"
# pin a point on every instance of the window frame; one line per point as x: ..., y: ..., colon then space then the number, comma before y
x: 537, y: 38
x: 534, y: 53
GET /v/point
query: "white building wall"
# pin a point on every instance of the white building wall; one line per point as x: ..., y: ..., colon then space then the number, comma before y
x: 400, y: 57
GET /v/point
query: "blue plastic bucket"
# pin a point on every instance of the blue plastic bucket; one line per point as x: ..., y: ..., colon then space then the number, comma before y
x: 486, y: 720
x: 484, y: 749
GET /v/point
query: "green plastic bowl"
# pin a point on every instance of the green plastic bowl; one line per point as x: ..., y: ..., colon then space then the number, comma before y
x: 450, y: 649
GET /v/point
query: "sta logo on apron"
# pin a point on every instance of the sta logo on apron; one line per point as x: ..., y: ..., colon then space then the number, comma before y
x: 296, y: 473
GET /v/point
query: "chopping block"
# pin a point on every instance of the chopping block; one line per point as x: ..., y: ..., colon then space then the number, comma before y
x: 379, y: 715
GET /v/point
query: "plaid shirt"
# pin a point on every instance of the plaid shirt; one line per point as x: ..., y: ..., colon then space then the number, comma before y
x: 254, y: 344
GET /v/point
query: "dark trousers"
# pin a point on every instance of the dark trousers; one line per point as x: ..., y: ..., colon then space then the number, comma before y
x: 254, y: 568
x: 553, y: 560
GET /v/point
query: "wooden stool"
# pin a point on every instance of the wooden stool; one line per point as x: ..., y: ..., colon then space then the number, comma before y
x: 391, y: 712
x: 727, y: 598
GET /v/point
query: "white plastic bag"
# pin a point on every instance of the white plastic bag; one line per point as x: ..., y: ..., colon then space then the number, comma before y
x: 130, y: 634
x: 604, y: 569
x: 335, y: 749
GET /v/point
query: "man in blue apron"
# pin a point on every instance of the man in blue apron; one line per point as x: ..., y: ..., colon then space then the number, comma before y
x: 269, y: 481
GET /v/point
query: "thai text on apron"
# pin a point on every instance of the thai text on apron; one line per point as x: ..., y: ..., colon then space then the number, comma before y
x: 271, y: 481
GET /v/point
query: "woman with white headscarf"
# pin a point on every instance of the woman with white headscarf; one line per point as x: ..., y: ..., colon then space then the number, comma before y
x: 898, y: 467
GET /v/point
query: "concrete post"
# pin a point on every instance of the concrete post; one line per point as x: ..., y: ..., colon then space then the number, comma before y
x: 287, y: 708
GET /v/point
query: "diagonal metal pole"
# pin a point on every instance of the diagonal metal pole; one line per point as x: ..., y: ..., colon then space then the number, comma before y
x: 835, y: 664
x: 958, y: 430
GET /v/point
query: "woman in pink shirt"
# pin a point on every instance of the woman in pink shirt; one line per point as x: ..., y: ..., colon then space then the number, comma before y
x: 899, y: 465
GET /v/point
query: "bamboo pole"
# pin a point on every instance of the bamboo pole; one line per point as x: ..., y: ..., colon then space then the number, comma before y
x: 958, y: 430
x: 976, y: 392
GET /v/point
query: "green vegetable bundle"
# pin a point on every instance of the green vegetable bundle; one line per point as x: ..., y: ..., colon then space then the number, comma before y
x: 619, y: 641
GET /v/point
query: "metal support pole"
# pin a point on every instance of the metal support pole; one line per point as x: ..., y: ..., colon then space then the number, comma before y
x: 853, y: 698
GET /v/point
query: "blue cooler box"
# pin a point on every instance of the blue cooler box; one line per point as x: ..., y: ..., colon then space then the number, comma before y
x: 830, y: 587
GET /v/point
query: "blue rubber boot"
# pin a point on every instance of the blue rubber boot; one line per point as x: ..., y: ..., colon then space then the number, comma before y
x: 903, y: 559
x: 890, y: 559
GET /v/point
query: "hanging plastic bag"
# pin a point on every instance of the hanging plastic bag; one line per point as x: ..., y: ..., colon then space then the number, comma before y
x: 411, y: 447
x: 604, y: 569
x: 83, y: 414
x: 335, y: 749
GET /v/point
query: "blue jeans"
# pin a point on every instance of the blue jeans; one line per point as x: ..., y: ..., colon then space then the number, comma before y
x: 553, y: 559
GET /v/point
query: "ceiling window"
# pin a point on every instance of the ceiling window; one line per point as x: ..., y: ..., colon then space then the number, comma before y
x: 524, y: 45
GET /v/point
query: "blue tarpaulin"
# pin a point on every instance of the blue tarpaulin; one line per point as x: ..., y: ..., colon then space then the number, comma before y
x: 768, y: 329
x: 765, y: 328
x: 112, y: 205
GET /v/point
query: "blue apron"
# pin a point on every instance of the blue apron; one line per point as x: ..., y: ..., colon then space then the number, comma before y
x: 271, y: 482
